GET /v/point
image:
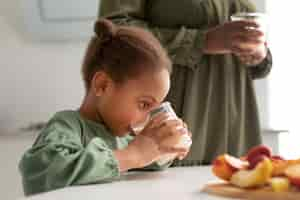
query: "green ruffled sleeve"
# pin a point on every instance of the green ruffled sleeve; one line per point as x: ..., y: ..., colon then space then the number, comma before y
x: 263, y: 69
x: 59, y: 159
x: 183, y: 44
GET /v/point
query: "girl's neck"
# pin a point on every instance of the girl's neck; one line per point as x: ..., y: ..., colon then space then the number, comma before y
x: 88, y: 110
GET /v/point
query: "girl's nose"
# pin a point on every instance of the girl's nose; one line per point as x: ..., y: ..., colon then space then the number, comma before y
x: 144, y: 120
x: 138, y: 126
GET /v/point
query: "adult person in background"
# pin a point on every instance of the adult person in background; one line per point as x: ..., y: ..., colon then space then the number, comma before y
x: 212, y: 80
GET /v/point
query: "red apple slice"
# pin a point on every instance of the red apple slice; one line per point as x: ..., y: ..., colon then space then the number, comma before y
x: 277, y: 157
x: 258, y: 150
x: 255, y: 160
x: 236, y: 163
x: 225, y: 165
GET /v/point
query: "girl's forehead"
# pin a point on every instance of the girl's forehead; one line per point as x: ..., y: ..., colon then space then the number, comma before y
x: 155, y: 79
x: 155, y: 85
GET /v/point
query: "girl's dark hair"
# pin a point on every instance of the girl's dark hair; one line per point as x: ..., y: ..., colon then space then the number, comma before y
x: 123, y: 52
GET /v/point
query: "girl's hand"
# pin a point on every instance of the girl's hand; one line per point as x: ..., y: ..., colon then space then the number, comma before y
x: 159, y: 137
x: 230, y: 36
x: 181, y: 156
x: 173, y: 141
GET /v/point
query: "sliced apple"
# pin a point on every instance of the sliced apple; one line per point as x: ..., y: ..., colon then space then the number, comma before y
x: 257, y: 151
x: 236, y: 163
x: 221, y: 168
x: 293, y: 174
x: 225, y: 165
x: 255, y: 160
x: 279, y: 166
x: 280, y: 184
x: 255, y: 177
x: 277, y: 157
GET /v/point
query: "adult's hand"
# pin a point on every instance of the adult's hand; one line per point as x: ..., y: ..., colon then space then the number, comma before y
x: 255, y: 57
x: 239, y: 37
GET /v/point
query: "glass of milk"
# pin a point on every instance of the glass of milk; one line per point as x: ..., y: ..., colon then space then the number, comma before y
x: 259, y: 18
x: 185, y: 140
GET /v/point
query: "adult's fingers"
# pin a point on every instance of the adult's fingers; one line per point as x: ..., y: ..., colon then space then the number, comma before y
x: 241, y: 51
x: 241, y: 29
x: 248, y: 39
x: 241, y: 24
x: 252, y: 33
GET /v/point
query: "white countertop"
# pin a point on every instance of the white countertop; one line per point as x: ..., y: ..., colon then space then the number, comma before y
x: 174, y: 183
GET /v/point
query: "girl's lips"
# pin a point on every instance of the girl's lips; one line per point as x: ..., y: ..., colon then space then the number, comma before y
x: 135, y: 130
x: 131, y: 131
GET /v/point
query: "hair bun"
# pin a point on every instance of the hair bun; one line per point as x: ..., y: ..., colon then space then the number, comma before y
x: 105, y: 29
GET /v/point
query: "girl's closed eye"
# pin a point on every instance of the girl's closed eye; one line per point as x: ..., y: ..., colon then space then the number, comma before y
x: 144, y: 105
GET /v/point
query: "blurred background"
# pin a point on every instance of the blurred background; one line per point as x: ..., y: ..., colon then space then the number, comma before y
x: 42, y: 45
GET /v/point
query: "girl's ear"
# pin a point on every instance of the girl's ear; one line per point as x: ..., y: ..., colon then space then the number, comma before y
x: 100, y: 83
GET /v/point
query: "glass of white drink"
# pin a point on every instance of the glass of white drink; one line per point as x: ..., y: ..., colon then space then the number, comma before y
x: 259, y: 18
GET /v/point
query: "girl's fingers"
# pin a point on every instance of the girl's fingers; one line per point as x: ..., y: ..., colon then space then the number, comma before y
x: 157, y: 120
x: 181, y: 156
x: 184, y: 125
x: 172, y: 127
x: 190, y: 134
x: 176, y: 150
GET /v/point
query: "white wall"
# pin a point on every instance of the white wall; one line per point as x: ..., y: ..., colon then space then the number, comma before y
x: 284, y: 83
x: 262, y: 85
x: 36, y: 79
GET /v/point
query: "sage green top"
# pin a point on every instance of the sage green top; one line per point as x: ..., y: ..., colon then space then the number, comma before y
x: 214, y: 94
x: 72, y: 150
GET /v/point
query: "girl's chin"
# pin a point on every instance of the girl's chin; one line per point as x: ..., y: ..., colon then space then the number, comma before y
x: 122, y: 133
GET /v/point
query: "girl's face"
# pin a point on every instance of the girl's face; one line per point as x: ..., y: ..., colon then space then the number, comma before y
x: 124, y: 105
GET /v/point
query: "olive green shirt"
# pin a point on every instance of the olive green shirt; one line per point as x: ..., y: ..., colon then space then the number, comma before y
x: 72, y: 150
x: 214, y: 94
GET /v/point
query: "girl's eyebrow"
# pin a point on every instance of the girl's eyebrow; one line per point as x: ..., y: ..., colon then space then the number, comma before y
x: 150, y: 97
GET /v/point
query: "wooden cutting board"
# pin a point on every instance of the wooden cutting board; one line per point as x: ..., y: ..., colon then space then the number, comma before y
x: 265, y: 193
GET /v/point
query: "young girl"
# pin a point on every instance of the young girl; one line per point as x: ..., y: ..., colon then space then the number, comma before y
x: 126, y: 75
